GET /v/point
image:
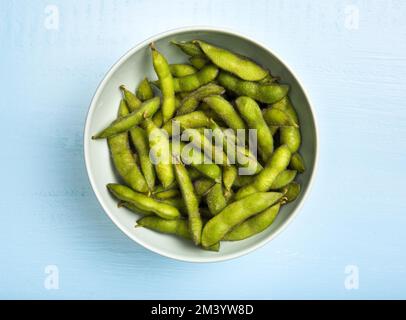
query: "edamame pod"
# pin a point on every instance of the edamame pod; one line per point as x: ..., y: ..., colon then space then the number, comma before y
x: 196, y: 119
x: 283, y: 179
x: 158, y: 119
x: 132, y: 207
x: 279, y: 118
x: 289, y: 135
x: 166, y: 84
x: 215, y: 199
x: 144, y: 90
x: 297, y: 163
x: 253, y: 225
x: 166, y: 194
x: 230, y: 173
x: 192, y: 100
x: 202, y: 186
x: 143, y: 202
x: 146, y: 110
x: 189, y: 48
x: 160, y: 153
x: 191, y: 201
x: 231, y: 62
x: 235, y: 213
x: 194, y: 81
x: 182, y: 70
x: 140, y: 141
x: 226, y: 111
x: 263, y: 180
x: 198, y: 62
x: 123, y: 158
x: 266, y: 93
x: 291, y: 191
x: 130, y: 98
x: 252, y: 115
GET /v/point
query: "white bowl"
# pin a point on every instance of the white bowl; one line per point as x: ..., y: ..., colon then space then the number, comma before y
x: 134, y: 66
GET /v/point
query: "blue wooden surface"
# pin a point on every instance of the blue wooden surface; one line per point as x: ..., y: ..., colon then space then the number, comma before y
x: 354, y: 70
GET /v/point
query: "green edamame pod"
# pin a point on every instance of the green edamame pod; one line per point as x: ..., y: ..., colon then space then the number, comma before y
x: 252, y: 115
x: 215, y: 199
x: 283, y: 179
x: 253, y: 225
x: 166, y: 194
x: 157, y: 119
x: 144, y: 90
x: 142, y: 201
x: 160, y: 153
x: 178, y: 203
x: 230, y: 173
x: 289, y: 135
x: 291, y: 191
x: 235, y: 213
x: 297, y: 163
x: 192, y: 100
x: 242, y: 181
x: 226, y: 111
x: 166, y: 81
x: 231, y: 62
x: 279, y: 118
x: 123, y: 158
x: 202, y: 186
x: 266, y: 93
x: 196, y: 159
x: 191, y: 201
x: 194, y: 81
x: 182, y: 70
x: 130, y: 98
x: 263, y: 180
x: 146, y: 110
x: 189, y: 48
x: 140, y: 140
x: 132, y: 207
x: 194, y: 173
x: 195, y: 119
x: 198, y: 62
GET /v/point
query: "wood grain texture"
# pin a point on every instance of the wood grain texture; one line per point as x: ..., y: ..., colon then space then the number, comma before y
x: 354, y: 216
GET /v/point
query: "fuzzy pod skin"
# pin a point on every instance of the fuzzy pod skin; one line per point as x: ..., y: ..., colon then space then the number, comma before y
x: 189, y: 48
x: 143, y: 202
x: 191, y: 156
x: 160, y: 152
x: 182, y: 70
x: 242, y: 181
x: 251, y: 113
x: 167, y: 194
x: 166, y: 81
x: 263, y: 180
x: 253, y: 225
x: 192, y: 100
x: 194, y: 81
x: 132, y: 207
x: 191, y: 201
x: 278, y: 118
x: 243, y: 67
x: 235, y: 213
x: 144, y: 90
x: 297, y: 163
x: 146, y: 110
x: 283, y: 179
x: 139, y: 138
x: 225, y: 111
x: 291, y: 191
x: 198, y: 62
x: 215, y: 199
x: 158, y: 119
x: 230, y: 173
x: 202, y: 186
x: 289, y: 135
x: 177, y: 227
x: 123, y: 158
x: 131, y: 99
x: 266, y: 93
x: 195, y: 119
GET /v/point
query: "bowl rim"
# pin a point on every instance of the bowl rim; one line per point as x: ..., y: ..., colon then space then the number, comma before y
x: 87, y: 139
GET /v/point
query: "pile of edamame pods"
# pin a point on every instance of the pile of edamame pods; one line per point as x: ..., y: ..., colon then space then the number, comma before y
x: 188, y: 196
